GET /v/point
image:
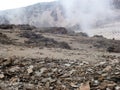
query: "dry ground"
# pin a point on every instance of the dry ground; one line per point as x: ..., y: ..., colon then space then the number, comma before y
x: 83, y: 67
x: 79, y: 51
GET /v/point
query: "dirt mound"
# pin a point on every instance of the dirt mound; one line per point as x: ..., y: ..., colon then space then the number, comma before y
x: 4, y: 39
x: 39, y: 40
x: 50, y: 74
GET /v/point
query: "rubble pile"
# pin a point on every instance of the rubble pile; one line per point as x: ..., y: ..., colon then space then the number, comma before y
x: 39, y: 40
x: 51, y: 74
x: 4, y: 39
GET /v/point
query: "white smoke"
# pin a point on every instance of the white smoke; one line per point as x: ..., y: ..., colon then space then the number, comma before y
x: 87, y: 12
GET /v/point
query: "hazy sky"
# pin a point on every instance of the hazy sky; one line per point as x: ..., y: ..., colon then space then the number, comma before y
x: 10, y: 4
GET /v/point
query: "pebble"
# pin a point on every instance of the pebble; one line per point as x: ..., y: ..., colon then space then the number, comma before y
x: 30, y: 69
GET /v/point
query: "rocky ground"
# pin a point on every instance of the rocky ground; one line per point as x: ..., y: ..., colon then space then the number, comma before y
x: 33, y: 60
x: 52, y: 74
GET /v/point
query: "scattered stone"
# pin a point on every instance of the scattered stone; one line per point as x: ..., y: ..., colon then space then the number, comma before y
x: 73, y: 85
x: 14, y: 69
x: 117, y: 88
x: 47, y: 85
x: 30, y: 69
x: 2, y: 76
x: 96, y: 82
x: 108, y: 68
x: 52, y: 74
x: 84, y: 86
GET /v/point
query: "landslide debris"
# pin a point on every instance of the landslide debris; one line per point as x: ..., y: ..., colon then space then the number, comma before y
x: 39, y: 40
x: 51, y: 74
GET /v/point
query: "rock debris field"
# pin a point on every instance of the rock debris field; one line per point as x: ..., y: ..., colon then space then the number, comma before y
x: 50, y: 74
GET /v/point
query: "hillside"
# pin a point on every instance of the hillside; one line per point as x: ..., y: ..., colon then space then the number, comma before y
x: 45, y: 47
x: 46, y: 14
x: 55, y: 59
x: 40, y: 15
x: 53, y: 14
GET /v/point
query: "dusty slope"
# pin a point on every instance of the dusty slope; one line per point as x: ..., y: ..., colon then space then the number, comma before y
x: 82, y: 47
x: 42, y: 68
x: 79, y: 50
